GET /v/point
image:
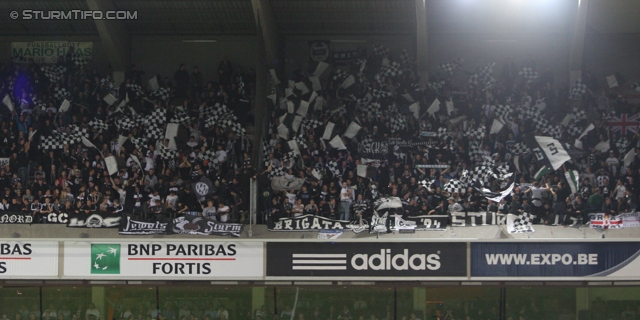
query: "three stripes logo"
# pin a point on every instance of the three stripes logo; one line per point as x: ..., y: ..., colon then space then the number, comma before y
x: 319, y: 261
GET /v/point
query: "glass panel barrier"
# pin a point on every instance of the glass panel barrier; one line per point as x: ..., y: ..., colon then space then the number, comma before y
x: 462, y: 302
x: 205, y: 302
x: 20, y: 303
x: 554, y: 303
x: 66, y: 303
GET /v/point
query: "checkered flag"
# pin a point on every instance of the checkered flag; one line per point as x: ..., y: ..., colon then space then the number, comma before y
x: 290, y: 157
x: 181, y: 117
x: 502, y: 111
x: 160, y: 94
x: 475, y: 151
x: 486, y: 72
x: 53, y: 73
x: 398, y: 123
x: 578, y: 115
x: 61, y: 94
x: 476, y: 134
x: 578, y: 90
x: 266, y: 150
x: 489, y: 83
x: 340, y: 75
x: 126, y: 123
x: 528, y: 74
x: 311, y: 124
x: 108, y: 84
x: 455, y: 186
x: 79, y: 60
x: 426, y: 184
x: 373, y: 110
x: 380, y: 50
x: 332, y: 166
x: 442, y: 133
x: 156, y: 118
x: 57, y: 139
x: 139, y: 142
x: 379, y: 93
x: 168, y: 154
x: 530, y: 112
x: 435, y: 85
x: 520, y: 224
x: 78, y: 131
x: 622, y: 144
x: 37, y: 103
x: 135, y: 89
x: 155, y: 132
x: 574, y: 130
x: 299, y: 139
x: 393, y: 69
x: 236, y: 128
x: 276, y: 172
x: 450, y: 67
x: 406, y: 59
x: 99, y: 125
x: 519, y: 148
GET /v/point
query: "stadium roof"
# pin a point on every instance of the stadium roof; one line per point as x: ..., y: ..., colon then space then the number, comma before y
x: 366, y: 17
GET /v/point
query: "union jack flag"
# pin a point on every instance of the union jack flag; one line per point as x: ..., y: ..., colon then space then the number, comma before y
x: 625, y: 123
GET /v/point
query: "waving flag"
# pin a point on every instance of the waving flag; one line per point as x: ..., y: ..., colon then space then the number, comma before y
x: 625, y: 123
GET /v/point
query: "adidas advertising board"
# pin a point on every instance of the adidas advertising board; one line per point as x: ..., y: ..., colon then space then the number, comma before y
x: 28, y: 259
x: 560, y: 259
x: 167, y: 260
x: 366, y: 259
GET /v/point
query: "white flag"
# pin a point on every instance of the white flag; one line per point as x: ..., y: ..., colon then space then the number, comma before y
x: 112, y: 165
x: 629, y: 157
x: 109, y: 99
x: 304, y: 107
x: 87, y: 143
x: 612, y: 81
x: 322, y: 66
x: 337, y: 143
x: 554, y: 151
x: 302, y: 87
x: 496, y: 126
x: 315, y: 83
x: 319, y: 103
x: 295, y: 125
x: 283, y: 131
x: 293, y: 145
x: 7, y: 102
x: 348, y: 82
x: 415, y: 109
x: 352, y: 130
x: 603, y: 146
x: 328, y: 130
x: 153, y: 84
x: 274, y: 76
x: 435, y: 107
x: 362, y: 171
x: 64, y: 107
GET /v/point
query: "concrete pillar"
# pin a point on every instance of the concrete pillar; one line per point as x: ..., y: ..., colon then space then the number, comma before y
x: 115, y: 39
x: 267, y: 47
x: 577, y: 42
x: 257, y: 298
x: 266, y: 23
x: 582, y: 300
x: 98, y: 298
x: 422, y: 42
x: 419, y: 300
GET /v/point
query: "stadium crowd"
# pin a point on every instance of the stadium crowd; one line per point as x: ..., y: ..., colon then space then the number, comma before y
x: 54, y: 155
x: 428, y: 153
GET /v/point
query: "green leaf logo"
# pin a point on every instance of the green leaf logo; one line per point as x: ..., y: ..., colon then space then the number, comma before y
x: 105, y: 258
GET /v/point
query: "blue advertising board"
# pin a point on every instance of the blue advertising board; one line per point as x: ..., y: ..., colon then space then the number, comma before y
x: 556, y: 259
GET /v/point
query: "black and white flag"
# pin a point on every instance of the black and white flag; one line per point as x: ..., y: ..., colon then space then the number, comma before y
x: 549, y: 150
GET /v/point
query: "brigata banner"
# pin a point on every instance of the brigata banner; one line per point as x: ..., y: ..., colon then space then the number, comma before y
x: 28, y: 259
x: 165, y: 260
x: 48, y: 51
x: 556, y: 259
x: 366, y: 259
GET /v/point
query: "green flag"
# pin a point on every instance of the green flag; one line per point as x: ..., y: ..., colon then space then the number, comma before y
x: 544, y: 170
x: 573, y: 180
x: 105, y: 258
